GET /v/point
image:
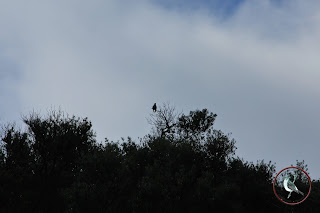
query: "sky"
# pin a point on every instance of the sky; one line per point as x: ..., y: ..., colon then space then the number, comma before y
x: 252, y: 62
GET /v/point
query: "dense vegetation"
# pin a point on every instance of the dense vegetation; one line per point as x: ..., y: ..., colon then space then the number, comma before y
x: 185, y: 165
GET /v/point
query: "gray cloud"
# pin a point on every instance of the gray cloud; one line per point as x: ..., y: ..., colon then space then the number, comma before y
x: 111, y: 60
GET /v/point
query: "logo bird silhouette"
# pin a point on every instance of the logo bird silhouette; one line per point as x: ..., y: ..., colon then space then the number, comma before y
x: 290, y: 187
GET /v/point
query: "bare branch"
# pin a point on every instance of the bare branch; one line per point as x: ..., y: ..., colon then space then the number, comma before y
x: 164, y: 120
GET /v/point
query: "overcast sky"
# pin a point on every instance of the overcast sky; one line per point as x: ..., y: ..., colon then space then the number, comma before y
x: 253, y: 62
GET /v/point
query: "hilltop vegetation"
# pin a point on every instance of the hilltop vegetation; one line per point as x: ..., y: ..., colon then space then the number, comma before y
x: 184, y: 165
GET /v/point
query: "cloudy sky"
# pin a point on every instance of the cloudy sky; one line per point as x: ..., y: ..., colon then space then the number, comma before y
x: 253, y: 62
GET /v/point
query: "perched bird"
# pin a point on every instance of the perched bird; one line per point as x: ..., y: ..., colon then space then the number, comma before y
x: 154, y: 108
x: 290, y: 187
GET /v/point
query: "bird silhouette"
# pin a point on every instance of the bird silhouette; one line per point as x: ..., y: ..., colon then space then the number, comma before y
x: 290, y: 187
x: 154, y: 107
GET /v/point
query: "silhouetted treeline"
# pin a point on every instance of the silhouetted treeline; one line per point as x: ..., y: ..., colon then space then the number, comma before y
x: 186, y: 165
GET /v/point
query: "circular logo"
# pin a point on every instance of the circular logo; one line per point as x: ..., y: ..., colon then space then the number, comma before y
x: 292, y: 185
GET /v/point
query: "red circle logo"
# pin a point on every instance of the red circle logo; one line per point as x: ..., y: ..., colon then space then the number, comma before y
x: 281, y: 185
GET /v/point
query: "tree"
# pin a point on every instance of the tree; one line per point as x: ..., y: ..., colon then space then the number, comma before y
x: 196, y: 125
x: 164, y: 121
x: 45, y: 158
x: 301, y: 177
x: 185, y: 166
x: 15, y: 171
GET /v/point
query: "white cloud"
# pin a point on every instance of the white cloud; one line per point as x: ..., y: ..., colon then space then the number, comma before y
x: 111, y: 60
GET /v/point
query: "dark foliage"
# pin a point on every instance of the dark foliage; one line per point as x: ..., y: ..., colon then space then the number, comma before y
x: 57, y: 166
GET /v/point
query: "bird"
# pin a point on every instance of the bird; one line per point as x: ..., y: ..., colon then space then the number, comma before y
x: 154, y: 107
x: 290, y: 187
